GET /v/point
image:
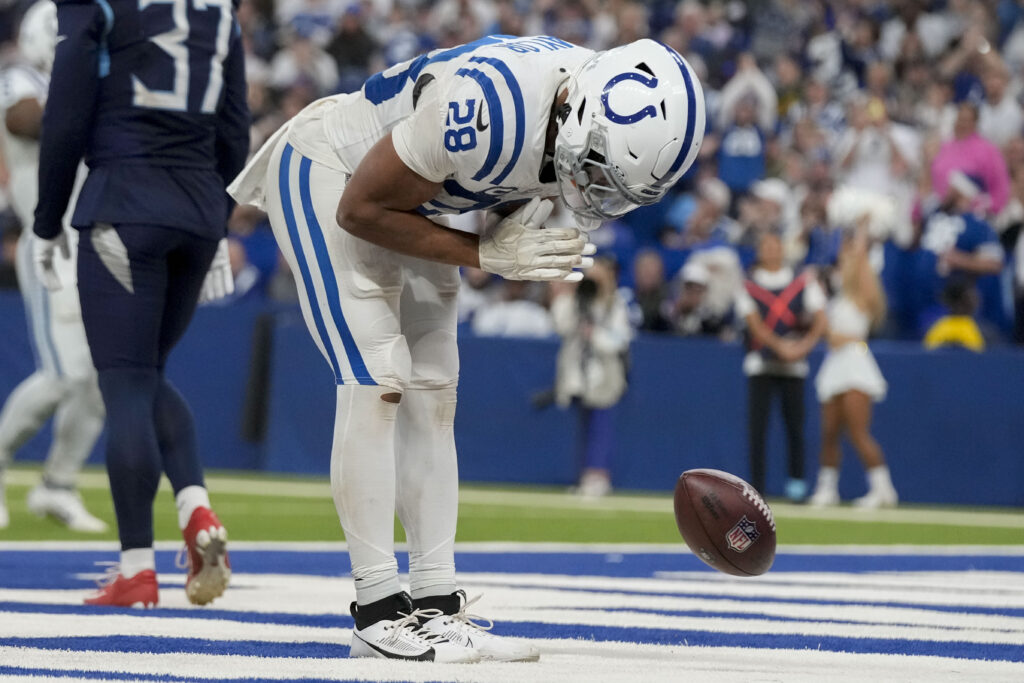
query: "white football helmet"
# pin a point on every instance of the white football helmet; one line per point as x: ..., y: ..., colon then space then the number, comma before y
x: 632, y: 124
x: 37, y: 36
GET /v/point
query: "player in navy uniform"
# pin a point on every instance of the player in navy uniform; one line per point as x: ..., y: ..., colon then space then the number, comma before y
x: 152, y: 94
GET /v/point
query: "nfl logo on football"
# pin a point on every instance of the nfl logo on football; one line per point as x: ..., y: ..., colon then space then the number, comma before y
x: 743, y: 535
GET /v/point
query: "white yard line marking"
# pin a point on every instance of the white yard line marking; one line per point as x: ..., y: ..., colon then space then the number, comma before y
x: 948, y: 596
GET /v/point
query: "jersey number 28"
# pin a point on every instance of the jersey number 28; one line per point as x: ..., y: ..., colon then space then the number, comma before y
x: 173, y: 42
x: 460, y: 137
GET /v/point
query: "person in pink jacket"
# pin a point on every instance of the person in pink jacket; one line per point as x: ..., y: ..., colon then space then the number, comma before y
x: 976, y: 157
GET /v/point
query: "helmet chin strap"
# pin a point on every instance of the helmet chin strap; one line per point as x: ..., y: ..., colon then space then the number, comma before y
x: 560, y: 111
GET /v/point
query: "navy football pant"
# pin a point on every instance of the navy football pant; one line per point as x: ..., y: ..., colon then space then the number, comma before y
x: 139, y: 286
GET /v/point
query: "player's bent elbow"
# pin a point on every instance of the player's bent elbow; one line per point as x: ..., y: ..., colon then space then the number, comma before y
x: 354, y: 217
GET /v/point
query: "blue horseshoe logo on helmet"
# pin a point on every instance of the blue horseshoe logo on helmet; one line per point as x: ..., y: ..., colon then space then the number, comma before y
x: 649, y: 110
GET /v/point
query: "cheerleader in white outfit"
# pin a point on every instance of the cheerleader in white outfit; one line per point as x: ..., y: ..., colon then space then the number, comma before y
x: 849, y: 381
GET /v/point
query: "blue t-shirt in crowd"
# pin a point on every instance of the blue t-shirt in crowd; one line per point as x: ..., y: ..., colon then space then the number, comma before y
x: 823, y: 246
x: 741, y: 157
x: 963, y: 232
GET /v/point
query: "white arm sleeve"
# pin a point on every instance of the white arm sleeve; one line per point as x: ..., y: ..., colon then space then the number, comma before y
x: 744, y: 304
x: 17, y: 85
x: 419, y: 139
x: 814, y: 297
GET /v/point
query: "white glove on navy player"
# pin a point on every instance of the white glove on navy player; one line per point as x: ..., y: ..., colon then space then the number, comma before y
x: 43, y: 255
x: 520, y: 248
x: 219, y: 281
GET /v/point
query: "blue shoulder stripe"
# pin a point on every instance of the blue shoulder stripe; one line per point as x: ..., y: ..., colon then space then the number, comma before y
x: 691, y: 114
x: 520, y: 113
x: 108, y: 14
x: 380, y: 88
x: 495, y: 115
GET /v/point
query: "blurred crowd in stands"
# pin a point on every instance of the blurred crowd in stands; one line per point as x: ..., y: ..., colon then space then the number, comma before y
x: 910, y: 107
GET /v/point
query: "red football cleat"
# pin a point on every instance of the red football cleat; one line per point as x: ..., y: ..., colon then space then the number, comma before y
x: 138, y: 591
x: 209, y: 569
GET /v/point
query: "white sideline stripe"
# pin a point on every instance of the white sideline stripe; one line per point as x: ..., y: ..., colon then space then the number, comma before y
x: 561, y: 661
x: 557, y: 500
x: 951, y: 596
x: 497, y: 547
x: 29, y: 625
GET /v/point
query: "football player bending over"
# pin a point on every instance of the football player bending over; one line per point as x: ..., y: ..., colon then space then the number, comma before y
x: 500, y: 124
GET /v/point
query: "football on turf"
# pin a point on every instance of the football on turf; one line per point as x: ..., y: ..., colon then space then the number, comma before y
x: 725, y: 522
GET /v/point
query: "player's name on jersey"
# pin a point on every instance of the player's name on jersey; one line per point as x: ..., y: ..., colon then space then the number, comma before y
x: 538, y: 44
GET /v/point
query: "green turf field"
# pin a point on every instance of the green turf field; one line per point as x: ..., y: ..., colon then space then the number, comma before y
x: 264, y: 508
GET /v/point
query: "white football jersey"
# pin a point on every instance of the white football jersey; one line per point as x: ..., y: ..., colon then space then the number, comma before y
x: 473, y: 117
x: 20, y: 82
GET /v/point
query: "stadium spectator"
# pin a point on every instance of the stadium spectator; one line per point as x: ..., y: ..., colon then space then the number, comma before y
x: 958, y: 328
x: 303, y: 62
x: 955, y: 241
x: 593, y: 322
x: 722, y: 275
x: 849, y: 380
x: 353, y: 48
x: 867, y: 153
x: 479, y: 290
x: 701, y: 219
x: 976, y: 157
x: 742, y: 147
x: 515, y: 314
x: 650, y: 292
x: 1000, y: 117
x: 785, y: 316
x: 689, y: 316
x: 771, y: 206
x: 314, y: 19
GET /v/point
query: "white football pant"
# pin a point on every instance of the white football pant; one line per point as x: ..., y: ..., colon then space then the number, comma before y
x: 386, y: 324
x: 64, y: 381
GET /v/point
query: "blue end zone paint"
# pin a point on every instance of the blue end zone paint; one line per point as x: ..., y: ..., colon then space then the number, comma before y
x: 54, y: 569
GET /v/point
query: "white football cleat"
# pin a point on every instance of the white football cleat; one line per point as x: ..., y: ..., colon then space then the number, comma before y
x: 823, y: 498
x: 878, y: 498
x: 64, y: 505
x: 407, y: 638
x: 468, y: 630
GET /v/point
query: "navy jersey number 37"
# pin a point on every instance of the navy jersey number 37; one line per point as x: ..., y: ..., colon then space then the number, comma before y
x: 152, y: 94
x: 194, y: 36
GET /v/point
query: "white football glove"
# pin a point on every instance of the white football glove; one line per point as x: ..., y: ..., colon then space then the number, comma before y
x: 219, y: 281
x: 43, y: 255
x: 520, y: 248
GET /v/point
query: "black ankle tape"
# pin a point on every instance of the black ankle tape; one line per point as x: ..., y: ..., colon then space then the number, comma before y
x: 449, y: 604
x: 385, y: 608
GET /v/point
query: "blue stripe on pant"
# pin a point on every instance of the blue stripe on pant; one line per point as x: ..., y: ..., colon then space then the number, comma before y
x: 324, y: 268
